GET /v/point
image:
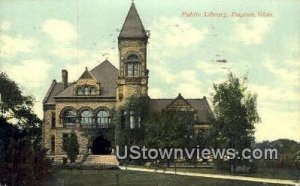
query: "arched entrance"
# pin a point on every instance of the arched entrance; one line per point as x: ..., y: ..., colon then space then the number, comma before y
x: 101, y: 145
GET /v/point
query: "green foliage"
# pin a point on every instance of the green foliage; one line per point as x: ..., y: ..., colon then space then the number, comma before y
x: 20, y: 163
x: 235, y: 110
x: 137, y: 104
x: 170, y: 129
x: 22, y: 158
x: 288, y: 153
x: 71, y: 147
x: 19, y: 106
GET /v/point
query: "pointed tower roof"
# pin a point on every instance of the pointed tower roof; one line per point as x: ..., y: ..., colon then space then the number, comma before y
x: 133, y: 26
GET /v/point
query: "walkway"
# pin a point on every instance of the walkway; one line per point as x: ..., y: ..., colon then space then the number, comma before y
x: 217, y: 176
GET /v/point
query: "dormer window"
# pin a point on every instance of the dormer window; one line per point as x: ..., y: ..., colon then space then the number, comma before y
x: 132, y: 66
x: 86, y: 90
x: 80, y: 91
x: 93, y: 91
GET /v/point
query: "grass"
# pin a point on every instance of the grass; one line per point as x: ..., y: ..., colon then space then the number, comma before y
x: 112, y: 177
x: 289, y: 174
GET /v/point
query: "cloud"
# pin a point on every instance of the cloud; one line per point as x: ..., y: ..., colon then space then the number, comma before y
x: 91, y: 59
x: 253, y: 32
x: 174, y: 32
x: 271, y: 93
x: 29, y: 73
x: 4, y: 25
x: 277, y: 123
x: 13, y: 45
x: 60, y: 30
x: 287, y: 73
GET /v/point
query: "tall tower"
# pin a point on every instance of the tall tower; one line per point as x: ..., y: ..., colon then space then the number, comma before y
x: 132, y: 44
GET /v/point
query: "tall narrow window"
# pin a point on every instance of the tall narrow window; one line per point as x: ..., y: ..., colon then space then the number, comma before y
x: 132, y: 120
x: 64, y: 138
x: 80, y: 91
x: 93, y: 91
x: 132, y: 66
x: 53, y: 144
x: 86, y: 118
x: 86, y: 91
x: 69, y: 118
x: 53, y: 123
x: 123, y: 119
x: 135, y: 120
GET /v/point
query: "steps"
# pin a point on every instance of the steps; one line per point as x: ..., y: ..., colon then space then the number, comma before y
x: 102, y: 159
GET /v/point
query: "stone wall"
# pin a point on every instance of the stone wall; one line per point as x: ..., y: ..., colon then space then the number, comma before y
x: 59, y: 129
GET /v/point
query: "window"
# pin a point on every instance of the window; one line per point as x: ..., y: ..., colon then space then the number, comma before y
x: 86, y: 118
x: 69, y: 118
x: 132, y: 66
x: 53, y: 123
x: 123, y: 119
x: 80, y: 91
x: 135, y: 120
x: 132, y: 120
x: 93, y: 91
x: 52, y: 144
x: 65, y: 138
x: 103, y: 119
x: 86, y: 91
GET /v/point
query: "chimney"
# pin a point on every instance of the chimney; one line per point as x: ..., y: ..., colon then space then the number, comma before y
x: 64, y: 74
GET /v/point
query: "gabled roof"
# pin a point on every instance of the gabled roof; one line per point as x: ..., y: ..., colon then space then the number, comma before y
x: 55, y: 88
x: 86, y: 75
x: 133, y: 26
x: 201, y: 106
x: 179, y: 102
x: 105, y: 73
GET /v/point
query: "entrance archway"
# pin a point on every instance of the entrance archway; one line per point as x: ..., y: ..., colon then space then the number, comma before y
x: 101, y: 145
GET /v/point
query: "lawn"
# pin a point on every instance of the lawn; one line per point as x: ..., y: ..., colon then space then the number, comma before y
x: 288, y: 174
x: 117, y: 177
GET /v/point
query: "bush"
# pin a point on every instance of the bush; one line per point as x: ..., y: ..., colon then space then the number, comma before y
x: 71, y: 147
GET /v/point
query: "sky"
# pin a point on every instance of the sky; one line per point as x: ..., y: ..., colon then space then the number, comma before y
x: 39, y: 38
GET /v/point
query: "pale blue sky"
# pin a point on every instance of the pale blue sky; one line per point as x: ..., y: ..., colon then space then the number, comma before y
x: 38, y: 38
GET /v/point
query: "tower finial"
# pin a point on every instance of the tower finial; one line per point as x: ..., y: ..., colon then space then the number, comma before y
x: 132, y: 1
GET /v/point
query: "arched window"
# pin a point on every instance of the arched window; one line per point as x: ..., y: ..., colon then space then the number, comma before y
x: 86, y: 91
x: 69, y: 118
x: 86, y: 118
x: 80, y: 91
x: 132, y: 66
x: 103, y: 119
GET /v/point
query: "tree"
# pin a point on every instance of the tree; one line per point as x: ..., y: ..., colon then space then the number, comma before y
x: 71, y: 147
x: 288, y: 152
x: 170, y: 129
x: 22, y: 158
x: 235, y: 110
x: 19, y: 106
